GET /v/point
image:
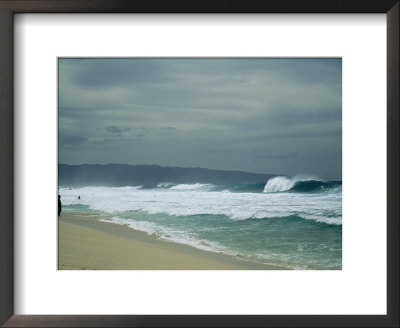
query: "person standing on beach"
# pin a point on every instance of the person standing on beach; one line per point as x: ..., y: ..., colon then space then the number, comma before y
x: 59, y: 205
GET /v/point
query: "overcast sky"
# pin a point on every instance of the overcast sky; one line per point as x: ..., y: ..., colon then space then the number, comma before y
x: 256, y: 115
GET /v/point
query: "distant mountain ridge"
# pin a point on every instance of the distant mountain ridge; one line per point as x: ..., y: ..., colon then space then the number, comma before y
x: 118, y: 175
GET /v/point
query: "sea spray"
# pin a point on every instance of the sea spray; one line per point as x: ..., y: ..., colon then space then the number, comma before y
x: 299, y: 183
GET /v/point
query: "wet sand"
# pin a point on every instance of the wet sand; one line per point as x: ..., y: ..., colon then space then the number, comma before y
x: 88, y: 244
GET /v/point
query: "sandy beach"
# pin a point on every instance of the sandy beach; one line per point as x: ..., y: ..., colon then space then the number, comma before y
x: 88, y: 244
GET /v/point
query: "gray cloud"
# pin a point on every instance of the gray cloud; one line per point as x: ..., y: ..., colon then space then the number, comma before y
x: 168, y: 128
x: 116, y: 129
x: 72, y: 140
x: 262, y: 156
x: 257, y: 112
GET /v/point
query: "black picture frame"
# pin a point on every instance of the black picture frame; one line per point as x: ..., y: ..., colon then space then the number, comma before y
x: 10, y: 7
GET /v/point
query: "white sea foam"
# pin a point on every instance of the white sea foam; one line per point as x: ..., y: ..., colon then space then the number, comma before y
x: 195, y: 186
x: 165, y: 184
x: 282, y: 183
x: 174, y: 235
x: 237, y: 206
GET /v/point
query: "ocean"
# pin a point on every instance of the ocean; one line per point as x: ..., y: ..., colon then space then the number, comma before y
x: 295, y: 222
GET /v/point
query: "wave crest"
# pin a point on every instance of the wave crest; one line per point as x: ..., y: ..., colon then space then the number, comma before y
x: 298, y: 183
x: 193, y: 187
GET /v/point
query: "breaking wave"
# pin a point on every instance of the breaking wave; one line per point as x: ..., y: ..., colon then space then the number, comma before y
x: 299, y: 183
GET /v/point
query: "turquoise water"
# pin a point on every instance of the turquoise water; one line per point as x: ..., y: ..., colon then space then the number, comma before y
x: 295, y: 224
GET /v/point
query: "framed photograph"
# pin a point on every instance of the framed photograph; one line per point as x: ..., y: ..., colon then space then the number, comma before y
x: 220, y: 164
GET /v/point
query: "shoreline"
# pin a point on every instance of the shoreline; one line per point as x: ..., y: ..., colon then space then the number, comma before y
x: 85, y: 243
